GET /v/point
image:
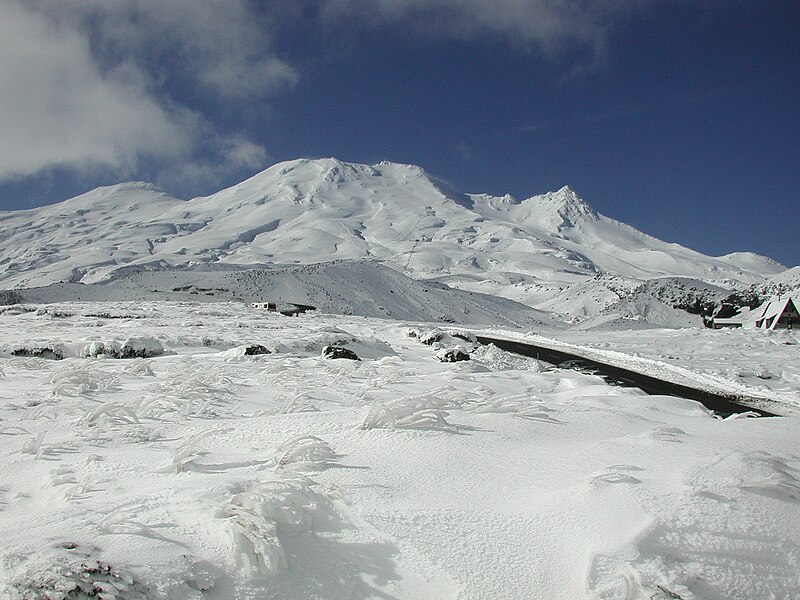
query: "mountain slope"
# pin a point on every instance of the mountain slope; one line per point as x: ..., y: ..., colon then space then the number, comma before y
x: 363, y: 288
x: 308, y: 211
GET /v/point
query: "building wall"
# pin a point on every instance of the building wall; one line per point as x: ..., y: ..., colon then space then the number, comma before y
x: 790, y: 319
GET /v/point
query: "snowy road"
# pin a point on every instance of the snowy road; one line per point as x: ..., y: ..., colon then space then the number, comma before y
x: 720, y: 402
x: 758, y: 368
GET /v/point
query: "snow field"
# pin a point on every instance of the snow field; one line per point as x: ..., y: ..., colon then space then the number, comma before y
x: 205, y: 473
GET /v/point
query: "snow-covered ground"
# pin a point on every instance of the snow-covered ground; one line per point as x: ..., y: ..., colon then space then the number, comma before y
x: 208, y: 473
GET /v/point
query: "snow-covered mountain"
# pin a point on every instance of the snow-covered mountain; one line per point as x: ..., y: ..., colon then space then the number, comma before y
x: 309, y: 211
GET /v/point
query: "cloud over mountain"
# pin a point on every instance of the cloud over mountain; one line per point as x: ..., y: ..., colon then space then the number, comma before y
x: 92, y: 85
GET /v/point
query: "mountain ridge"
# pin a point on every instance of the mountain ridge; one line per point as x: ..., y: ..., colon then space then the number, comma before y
x: 315, y: 210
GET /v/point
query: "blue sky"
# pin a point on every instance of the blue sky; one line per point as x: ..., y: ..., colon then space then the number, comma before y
x: 679, y: 118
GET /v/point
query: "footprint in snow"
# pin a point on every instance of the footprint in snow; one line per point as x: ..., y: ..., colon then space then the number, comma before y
x: 667, y: 434
x: 538, y: 415
x: 617, y: 474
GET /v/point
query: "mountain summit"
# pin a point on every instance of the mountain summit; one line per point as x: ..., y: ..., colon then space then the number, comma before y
x: 310, y: 211
x: 558, y: 211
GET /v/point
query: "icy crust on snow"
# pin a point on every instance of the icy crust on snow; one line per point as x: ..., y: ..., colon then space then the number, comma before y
x: 208, y: 473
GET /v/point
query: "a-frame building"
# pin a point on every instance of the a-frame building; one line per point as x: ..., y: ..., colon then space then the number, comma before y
x: 778, y: 313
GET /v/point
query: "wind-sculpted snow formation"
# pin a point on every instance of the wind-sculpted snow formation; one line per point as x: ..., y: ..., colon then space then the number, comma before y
x: 206, y: 473
x: 310, y: 211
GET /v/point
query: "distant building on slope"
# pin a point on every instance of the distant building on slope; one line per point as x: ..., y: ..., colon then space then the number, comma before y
x: 288, y: 309
x: 778, y: 313
x: 727, y: 322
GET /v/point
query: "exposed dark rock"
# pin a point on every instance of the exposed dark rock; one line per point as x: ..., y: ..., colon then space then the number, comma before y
x: 338, y: 352
x: 255, y: 350
x: 452, y: 355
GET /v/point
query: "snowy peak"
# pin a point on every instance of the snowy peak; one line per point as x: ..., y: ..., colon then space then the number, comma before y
x: 336, y: 172
x: 559, y: 210
x: 750, y: 260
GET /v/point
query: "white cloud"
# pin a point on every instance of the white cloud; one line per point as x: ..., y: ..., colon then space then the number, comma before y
x: 223, y: 46
x: 58, y: 109
x: 90, y: 84
x: 550, y: 25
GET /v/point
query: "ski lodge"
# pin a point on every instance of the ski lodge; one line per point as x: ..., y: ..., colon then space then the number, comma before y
x: 778, y: 313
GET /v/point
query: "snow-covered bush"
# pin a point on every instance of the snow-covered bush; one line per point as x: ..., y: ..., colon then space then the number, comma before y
x: 263, y: 515
x: 54, y: 312
x: 524, y: 406
x: 80, y: 381
x: 421, y: 411
x: 193, y: 389
x: 305, y: 450
x: 17, y: 309
x: 429, y: 337
x: 763, y: 372
x: 49, y: 352
x: 7, y: 297
x: 94, y: 349
x: 73, y: 578
x: 500, y: 360
x: 462, y: 334
x: 137, y: 347
x: 139, y: 366
x: 314, y: 340
x: 140, y: 347
x: 116, y: 314
x: 111, y: 413
x: 184, y: 459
